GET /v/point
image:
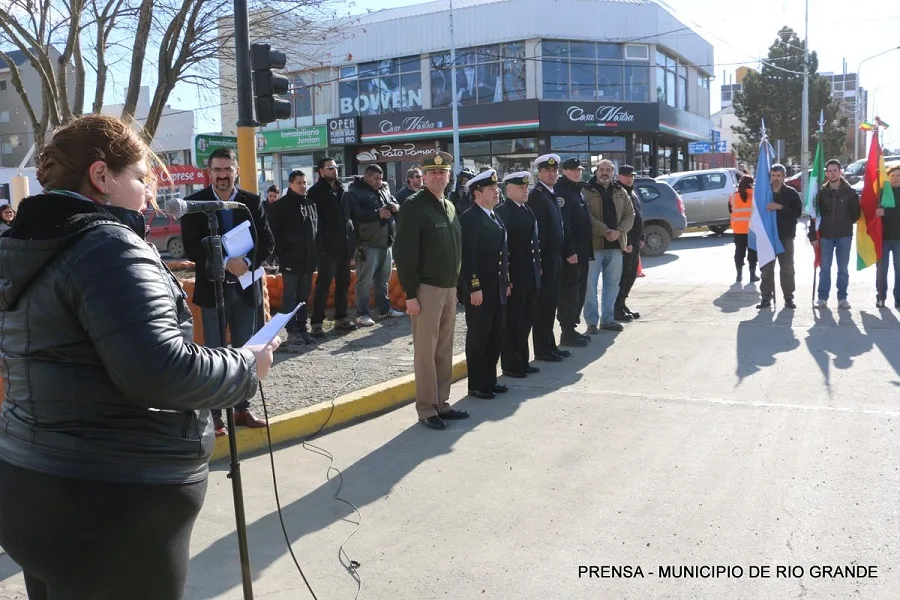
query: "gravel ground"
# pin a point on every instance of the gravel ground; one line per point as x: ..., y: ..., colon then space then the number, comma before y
x: 342, y: 363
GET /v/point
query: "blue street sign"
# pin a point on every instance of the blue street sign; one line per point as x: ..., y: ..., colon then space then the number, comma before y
x: 715, y: 134
x: 699, y: 147
x: 721, y: 146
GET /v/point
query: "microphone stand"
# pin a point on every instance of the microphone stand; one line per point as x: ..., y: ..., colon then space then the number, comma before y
x: 215, y: 272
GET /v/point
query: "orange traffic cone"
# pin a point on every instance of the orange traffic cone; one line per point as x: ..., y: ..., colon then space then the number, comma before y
x: 640, y: 272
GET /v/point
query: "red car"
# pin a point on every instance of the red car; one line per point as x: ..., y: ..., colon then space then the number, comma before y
x: 165, y: 233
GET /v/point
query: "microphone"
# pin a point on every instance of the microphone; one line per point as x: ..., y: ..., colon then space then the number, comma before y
x: 177, y: 208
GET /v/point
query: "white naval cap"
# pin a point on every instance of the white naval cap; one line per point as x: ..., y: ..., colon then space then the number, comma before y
x: 518, y: 178
x: 547, y: 161
x: 483, y: 179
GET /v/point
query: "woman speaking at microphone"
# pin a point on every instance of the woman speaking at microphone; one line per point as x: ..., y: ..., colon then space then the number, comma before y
x: 105, y: 433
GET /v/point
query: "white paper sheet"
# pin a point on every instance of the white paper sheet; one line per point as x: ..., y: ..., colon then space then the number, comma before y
x: 271, y: 329
x: 247, y: 278
x: 238, y: 241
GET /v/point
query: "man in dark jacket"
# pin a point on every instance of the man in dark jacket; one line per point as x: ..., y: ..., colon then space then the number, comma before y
x: 632, y: 254
x: 413, y: 185
x: 243, y: 308
x: 524, y: 274
x: 890, y: 218
x: 577, y: 252
x: 789, y: 206
x: 485, y: 284
x: 372, y: 209
x: 548, y: 212
x: 294, y: 222
x: 336, y: 242
x: 838, y: 207
x: 460, y: 197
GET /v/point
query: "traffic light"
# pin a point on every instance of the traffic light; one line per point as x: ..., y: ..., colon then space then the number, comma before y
x: 268, y: 85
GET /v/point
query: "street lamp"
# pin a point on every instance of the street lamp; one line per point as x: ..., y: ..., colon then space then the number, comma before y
x: 856, y: 101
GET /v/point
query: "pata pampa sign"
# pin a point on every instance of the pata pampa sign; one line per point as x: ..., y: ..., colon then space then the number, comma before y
x: 602, y: 114
x: 395, y: 152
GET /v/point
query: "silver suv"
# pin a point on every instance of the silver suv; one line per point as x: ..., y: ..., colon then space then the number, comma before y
x: 705, y: 195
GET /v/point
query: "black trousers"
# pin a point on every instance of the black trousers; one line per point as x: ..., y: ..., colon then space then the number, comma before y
x: 548, y: 298
x: 337, y: 270
x: 484, y: 340
x: 296, y: 289
x: 572, y: 290
x: 519, y: 319
x: 741, y: 249
x: 90, y: 540
x: 630, y: 262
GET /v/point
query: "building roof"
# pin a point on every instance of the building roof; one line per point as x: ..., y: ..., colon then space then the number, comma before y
x: 423, y: 28
x: 18, y: 57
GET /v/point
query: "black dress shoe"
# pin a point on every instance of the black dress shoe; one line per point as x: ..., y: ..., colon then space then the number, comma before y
x: 480, y: 394
x: 571, y: 338
x: 548, y: 358
x: 584, y: 336
x: 789, y: 304
x: 563, y: 353
x: 634, y: 315
x: 764, y: 304
x: 612, y: 326
x: 514, y: 374
x: 433, y: 423
x: 623, y: 316
x: 454, y: 415
x: 529, y: 369
x: 500, y: 388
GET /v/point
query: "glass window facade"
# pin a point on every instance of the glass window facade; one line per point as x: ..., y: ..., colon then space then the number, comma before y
x: 592, y: 71
x: 505, y: 156
x: 589, y: 149
x: 484, y: 75
x: 671, y: 81
x: 380, y: 87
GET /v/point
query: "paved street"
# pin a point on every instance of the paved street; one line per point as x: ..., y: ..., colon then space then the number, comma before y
x: 708, y: 433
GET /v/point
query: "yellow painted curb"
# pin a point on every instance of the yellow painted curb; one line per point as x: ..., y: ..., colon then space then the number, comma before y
x: 357, y: 405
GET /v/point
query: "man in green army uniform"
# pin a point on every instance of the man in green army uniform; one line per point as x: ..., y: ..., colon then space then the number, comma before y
x: 428, y: 255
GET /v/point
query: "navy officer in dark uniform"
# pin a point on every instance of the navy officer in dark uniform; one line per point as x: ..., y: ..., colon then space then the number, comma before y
x: 524, y: 274
x: 577, y: 252
x: 484, y: 279
x: 547, y: 210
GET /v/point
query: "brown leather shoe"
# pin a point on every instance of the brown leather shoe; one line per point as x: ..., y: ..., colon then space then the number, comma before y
x: 219, y: 426
x: 248, y: 419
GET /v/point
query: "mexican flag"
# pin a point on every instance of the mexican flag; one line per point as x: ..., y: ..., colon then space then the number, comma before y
x: 869, y: 228
x: 816, y: 179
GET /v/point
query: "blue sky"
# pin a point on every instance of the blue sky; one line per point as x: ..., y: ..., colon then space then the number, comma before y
x: 741, y: 32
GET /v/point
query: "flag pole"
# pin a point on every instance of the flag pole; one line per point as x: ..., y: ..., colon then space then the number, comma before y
x: 816, y: 251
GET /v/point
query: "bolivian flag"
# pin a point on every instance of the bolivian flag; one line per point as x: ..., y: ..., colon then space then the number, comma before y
x: 869, y: 228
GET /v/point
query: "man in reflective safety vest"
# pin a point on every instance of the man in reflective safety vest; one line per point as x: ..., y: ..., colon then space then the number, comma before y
x: 740, y: 205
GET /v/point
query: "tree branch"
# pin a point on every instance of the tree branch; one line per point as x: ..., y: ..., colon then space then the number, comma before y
x: 142, y: 35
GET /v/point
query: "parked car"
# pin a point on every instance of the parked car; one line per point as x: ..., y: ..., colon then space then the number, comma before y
x: 663, y: 213
x: 165, y: 233
x: 705, y: 195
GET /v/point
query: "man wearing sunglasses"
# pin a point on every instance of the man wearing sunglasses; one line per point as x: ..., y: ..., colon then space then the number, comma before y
x: 413, y: 185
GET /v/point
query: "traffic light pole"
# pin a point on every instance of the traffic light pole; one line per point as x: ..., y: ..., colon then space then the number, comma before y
x: 246, y: 125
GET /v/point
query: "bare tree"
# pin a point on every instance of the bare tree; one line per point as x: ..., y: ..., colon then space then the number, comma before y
x: 178, y: 41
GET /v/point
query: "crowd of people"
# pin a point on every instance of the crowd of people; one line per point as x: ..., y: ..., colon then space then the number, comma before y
x: 831, y: 234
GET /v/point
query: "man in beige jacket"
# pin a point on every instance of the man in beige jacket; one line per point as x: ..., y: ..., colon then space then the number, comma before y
x: 612, y: 216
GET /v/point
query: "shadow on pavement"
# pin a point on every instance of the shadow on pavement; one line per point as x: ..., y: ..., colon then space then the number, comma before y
x: 842, y: 339
x: 761, y: 338
x: 648, y: 262
x: 215, y: 571
x: 695, y: 242
x: 737, y: 297
x: 883, y: 333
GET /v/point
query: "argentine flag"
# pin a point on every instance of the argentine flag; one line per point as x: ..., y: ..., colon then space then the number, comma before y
x: 763, y: 222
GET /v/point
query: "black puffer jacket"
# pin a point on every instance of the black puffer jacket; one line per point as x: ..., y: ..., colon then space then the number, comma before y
x: 103, y: 381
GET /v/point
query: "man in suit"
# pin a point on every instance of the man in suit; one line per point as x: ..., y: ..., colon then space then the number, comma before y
x: 632, y: 255
x: 546, y: 208
x: 243, y: 308
x: 524, y: 255
x: 484, y: 279
x: 577, y: 252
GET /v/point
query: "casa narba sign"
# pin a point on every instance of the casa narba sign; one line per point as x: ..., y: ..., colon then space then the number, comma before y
x: 599, y: 116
